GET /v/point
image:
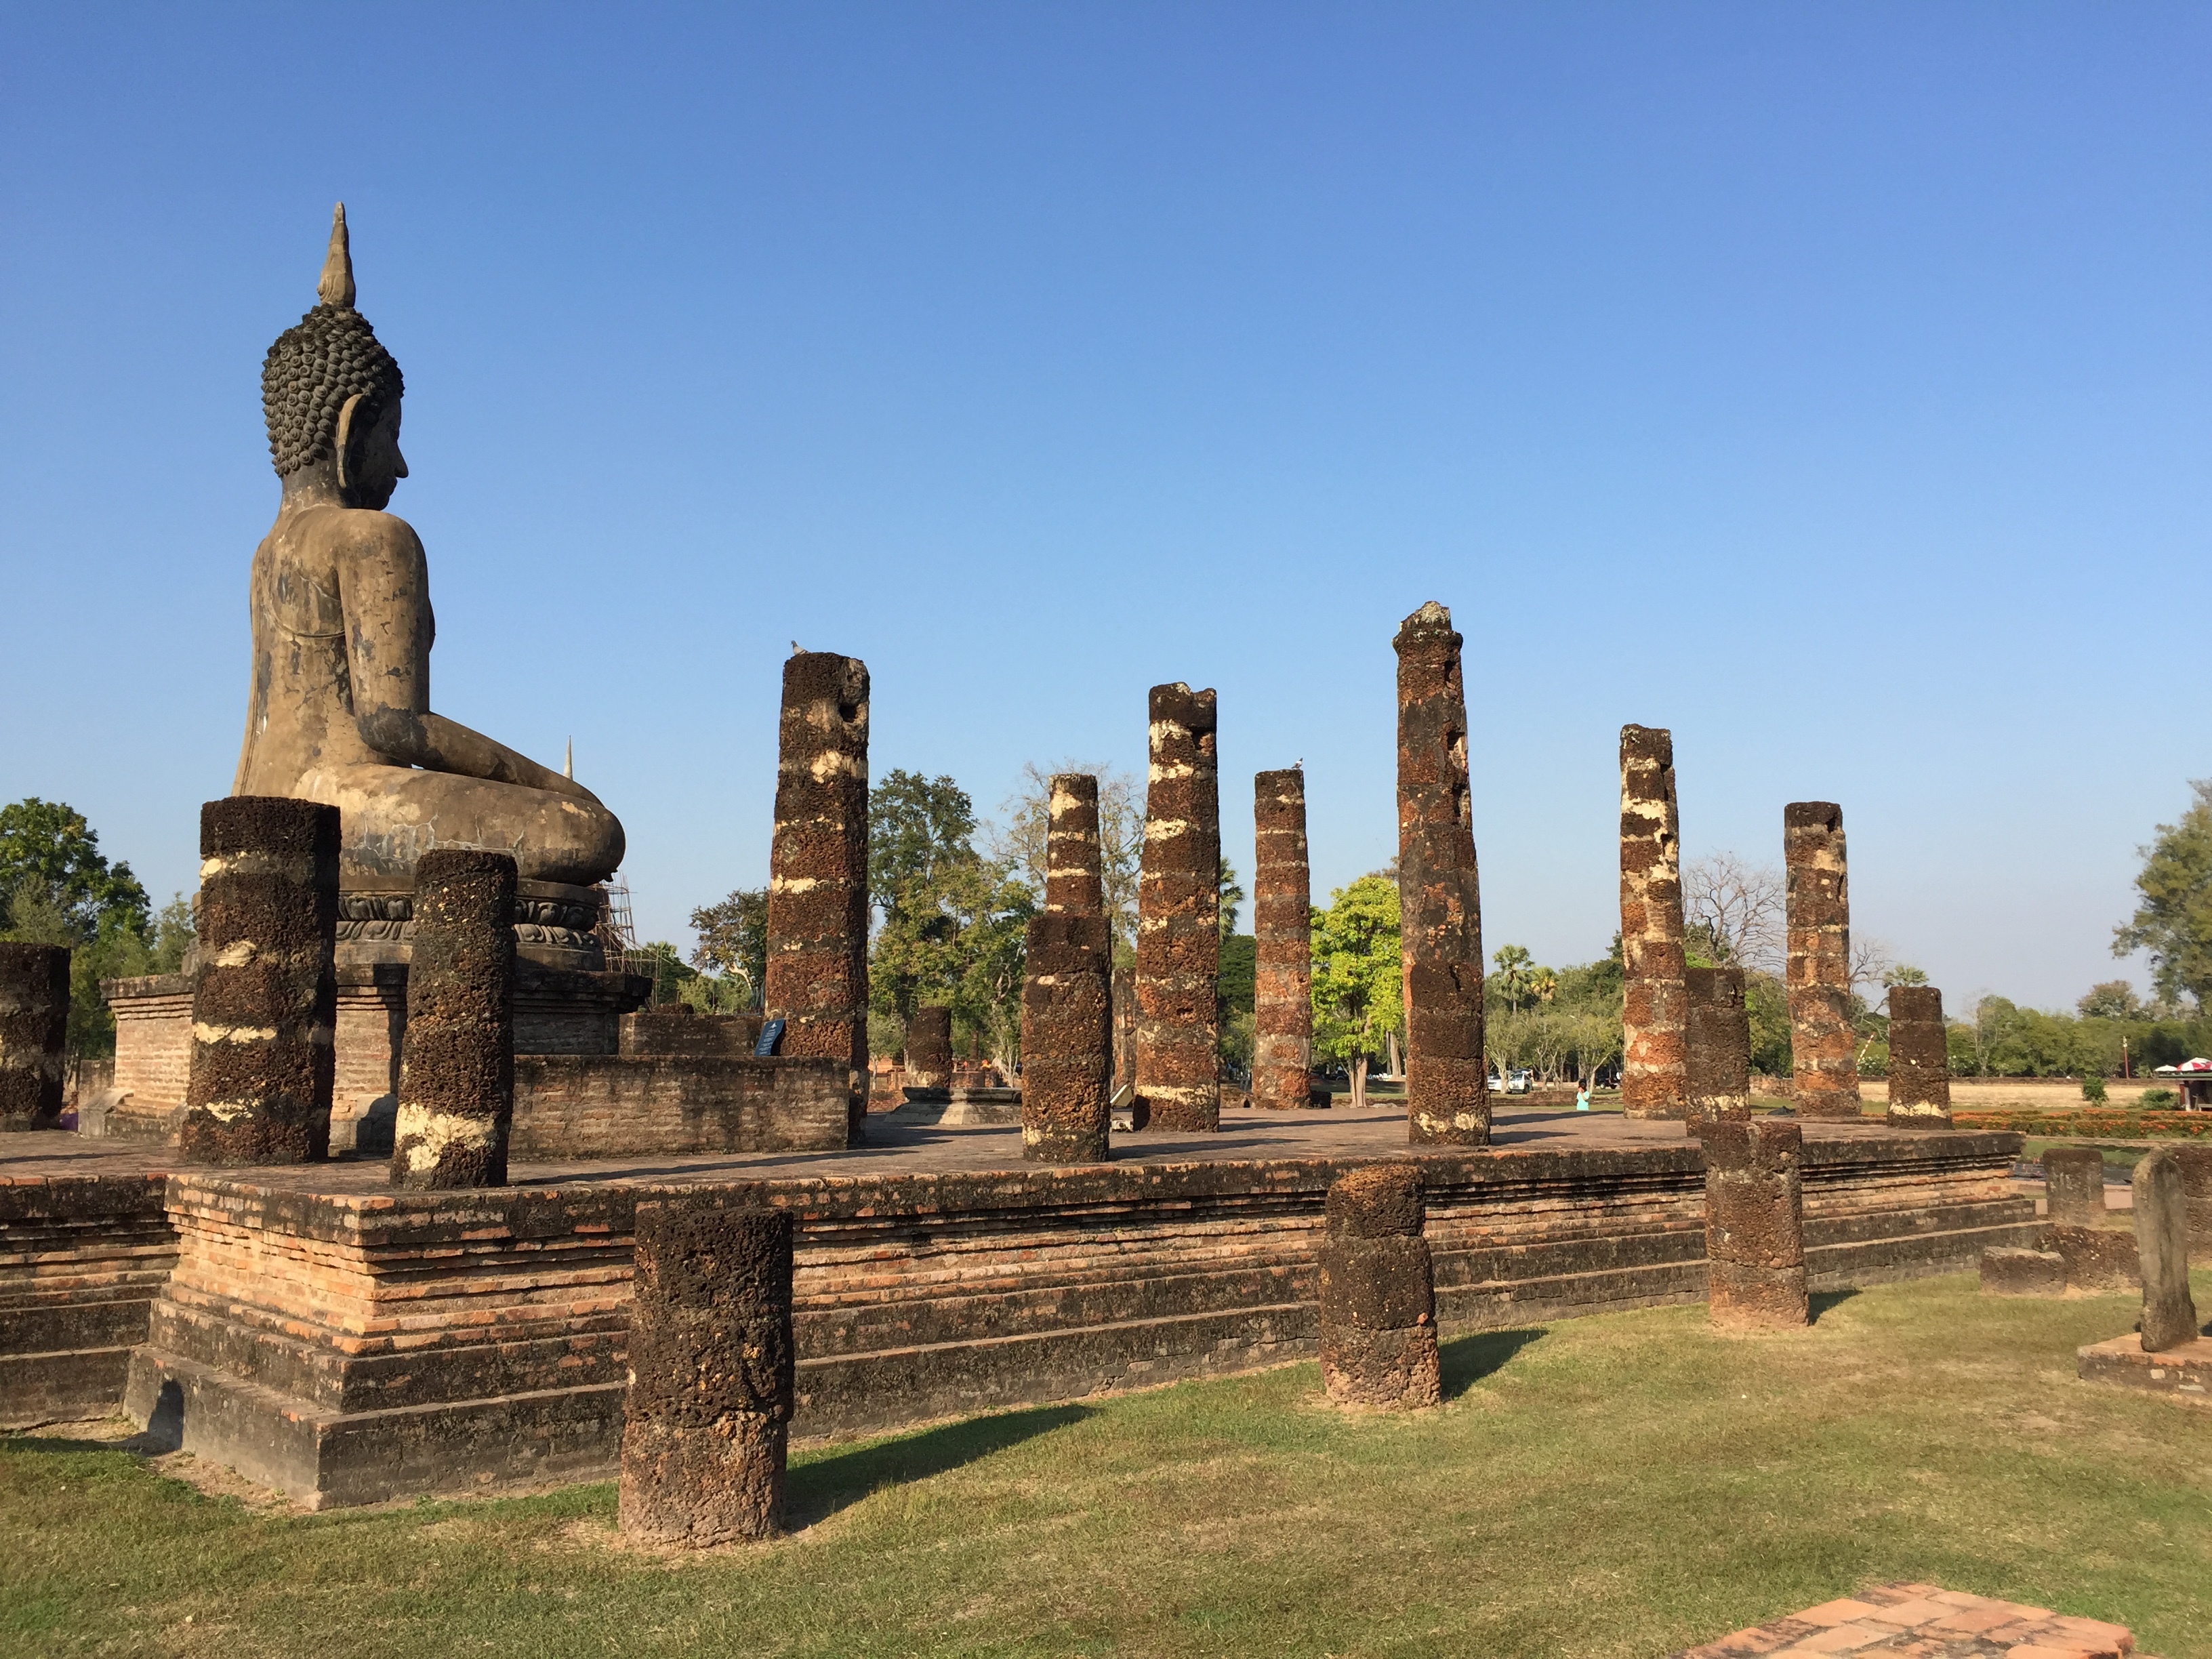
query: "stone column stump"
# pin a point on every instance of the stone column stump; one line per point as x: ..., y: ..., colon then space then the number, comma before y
x: 1282, y: 926
x: 264, y: 995
x: 1179, y: 920
x: 1654, y: 1077
x: 817, y: 882
x: 2161, y: 1228
x: 711, y: 1364
x: 457, y: 1058
x: 929, y: 1053
x: 1378, y: 1306
x: 1755, y: 1225
x: 35, y: 1001
x: 1919, y: 1059
x: 1067, y: 1040
x: 1718, y: 1070
x: 2196, y: 1184
x: 2096, y: 1244
x: 1818, y: 969
x: 1439, y: 893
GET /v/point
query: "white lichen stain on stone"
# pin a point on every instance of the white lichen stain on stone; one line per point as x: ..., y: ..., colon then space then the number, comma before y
x: 255, y: 863
x: 205, y: 1033
x: 238, y: 953
x: 423, y: 1135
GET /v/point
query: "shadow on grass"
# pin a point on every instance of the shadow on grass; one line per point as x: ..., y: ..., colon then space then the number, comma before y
x: 1820, y: 1301
x: 1469, y: 1359
x: 819, y: 1489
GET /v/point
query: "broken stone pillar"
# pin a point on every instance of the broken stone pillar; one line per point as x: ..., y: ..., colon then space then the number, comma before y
x: 2073, y: 1186
x: 929, y: 1053
x: 1179, y: 920
x: 1282, y: 925
x: 1919, y: 1059
x: 1755, y: 1224
x: 2196, y: 1184
x: 1074, y: 867
x: 1067, y: 1040
x: 35, y: 1001
x: 817, y: 883
x: 1717, y: 1074
x: 707, y: 1420
x: 457, y: 1056
x: 1439, y: 897
x: 2008, y: 1272
x: 1654, y: 1069
x: 1378, y: 1305
x: 2161, y: 1218
x: 1819, y: 971
x: 264, y: 994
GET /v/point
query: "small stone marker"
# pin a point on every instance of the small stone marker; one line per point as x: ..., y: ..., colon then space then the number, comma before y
x: 929, y: 1053
x: 1919, y: 1059
x: 1179, y: 918
x: 709, y: 1412
x: 1378, y: 1305
x: 35, y: 999
x: 457, y: 1058
x: 264, y: 995
x: 1439, y: 892
x: 2073, y: 1186
x: 1824, y: 1061
x: 2161, y: 1218
x: 1719, y: 1047
x: 2007, y: 1272
x: 1755, y: 1224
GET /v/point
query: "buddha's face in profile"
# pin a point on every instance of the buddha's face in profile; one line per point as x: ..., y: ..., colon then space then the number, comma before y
x: 373, y: 465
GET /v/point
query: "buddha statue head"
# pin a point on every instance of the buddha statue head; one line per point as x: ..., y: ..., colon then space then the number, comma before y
x: 331, y: 392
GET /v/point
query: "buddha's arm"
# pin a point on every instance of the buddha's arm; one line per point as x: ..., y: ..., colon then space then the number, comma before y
x: 385, y: 583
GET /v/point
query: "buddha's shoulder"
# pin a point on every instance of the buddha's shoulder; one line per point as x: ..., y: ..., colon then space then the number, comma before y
x: 357, y: 529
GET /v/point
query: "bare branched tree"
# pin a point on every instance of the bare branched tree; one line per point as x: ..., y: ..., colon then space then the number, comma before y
x: 1028, y: 812
x: 1739, y: 909
x: 1871, y: 961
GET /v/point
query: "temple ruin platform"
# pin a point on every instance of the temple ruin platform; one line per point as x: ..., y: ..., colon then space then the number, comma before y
x: 346, y: 1343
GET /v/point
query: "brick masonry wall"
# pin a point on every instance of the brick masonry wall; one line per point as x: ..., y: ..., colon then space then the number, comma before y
x: 496, y: 1317
x: 80, y: 1261
x: 618, y: 1105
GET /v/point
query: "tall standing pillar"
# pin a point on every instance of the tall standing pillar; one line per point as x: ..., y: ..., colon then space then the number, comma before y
x: 2161, y: 1226
x: 1179, y: 920
x: 1820, y: 964
x: 35, y: 999
x: 456, y: 1057
x: 1717, y: 1072
x: 1282, y: 926
x: 266, y: 993
x: 817, y: 883
x: 1919, y: 1059
x: 1653, y: 1072
x: 1439, y: 897
x: 1068, y: 1015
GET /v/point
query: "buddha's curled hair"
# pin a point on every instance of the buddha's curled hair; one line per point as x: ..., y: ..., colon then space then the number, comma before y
x: 310, y: 372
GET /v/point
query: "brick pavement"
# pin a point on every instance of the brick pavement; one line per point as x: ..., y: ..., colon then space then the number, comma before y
x: 1926, y: 1622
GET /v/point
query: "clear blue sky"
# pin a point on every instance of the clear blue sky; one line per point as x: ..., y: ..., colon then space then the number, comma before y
x: 1829, y: 384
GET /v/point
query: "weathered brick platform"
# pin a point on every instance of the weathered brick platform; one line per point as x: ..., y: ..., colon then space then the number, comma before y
x: 1923, y: 1621
x: 345, y: 1342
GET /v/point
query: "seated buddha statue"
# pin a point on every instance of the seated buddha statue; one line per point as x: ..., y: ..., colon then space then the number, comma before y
x: 339, y: 709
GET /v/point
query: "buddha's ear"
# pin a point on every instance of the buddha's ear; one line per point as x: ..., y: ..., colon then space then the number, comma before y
x: 345, y: 436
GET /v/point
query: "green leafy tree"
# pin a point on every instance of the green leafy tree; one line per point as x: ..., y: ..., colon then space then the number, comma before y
x: 1357, y: 976
x: 1515, y: 976
x: 2112, y: 999
x: 2174, y: 922
x: 1236, y: 1001
x: 1232, y: 894
x: 733, y: 945
x: 916, y: 827
x: 47, y: 849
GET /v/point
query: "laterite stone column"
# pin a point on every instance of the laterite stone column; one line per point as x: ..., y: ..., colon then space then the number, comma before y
x: 1820, y: 964
x: 1179, y: 920
x: 1439, y: 897
x: 1653, y: 1071
x: 1717, y: 1076
x: 265, y: 994
x: 2073, y: 1186
x: 1068, y: 1014
x: 1378, y: 1305
x: 35, y: 999
x: 817, y: 883
x: 457, y: 1058
x: 929, y: 1052
x: 1282, y: 925
x: 2161, y: 1218
x: 707, y: 1418
x: 1755, y: 1224
x: 1919, y: 1059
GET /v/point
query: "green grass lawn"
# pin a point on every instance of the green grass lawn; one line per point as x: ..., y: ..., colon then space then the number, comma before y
x: 1625, y: 1484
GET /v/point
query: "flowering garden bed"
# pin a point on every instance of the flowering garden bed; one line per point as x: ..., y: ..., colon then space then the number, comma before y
x: 2112, y: 1121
